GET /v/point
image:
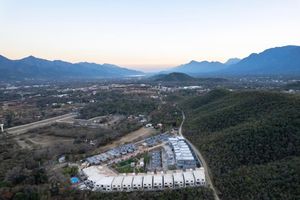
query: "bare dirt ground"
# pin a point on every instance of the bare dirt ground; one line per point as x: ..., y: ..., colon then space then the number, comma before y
x: 130, y: 137
x: 47, y: 140
x: 23, y: 143
x: 28, y: 141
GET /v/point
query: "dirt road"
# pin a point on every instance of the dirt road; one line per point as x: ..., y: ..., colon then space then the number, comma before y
x: 202, y: 161
x: 130, y: 137
x: 17, y: 130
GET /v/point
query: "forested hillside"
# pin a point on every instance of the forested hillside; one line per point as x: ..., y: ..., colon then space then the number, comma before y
x: 251, y: 141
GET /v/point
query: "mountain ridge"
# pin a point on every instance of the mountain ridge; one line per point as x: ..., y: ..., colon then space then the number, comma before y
x: 31, y: 67
x: 283, y: 60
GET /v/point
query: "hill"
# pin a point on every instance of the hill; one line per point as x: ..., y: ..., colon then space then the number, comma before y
x: 173, y: 77
x: 36, y: 68
x: 251, y: 141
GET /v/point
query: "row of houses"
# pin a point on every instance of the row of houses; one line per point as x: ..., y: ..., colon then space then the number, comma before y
x: 177, y: 179
x: 183, y: 154
x: 111, y: 154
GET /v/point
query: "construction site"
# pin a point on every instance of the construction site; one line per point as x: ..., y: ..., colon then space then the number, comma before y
x: 163, y: 161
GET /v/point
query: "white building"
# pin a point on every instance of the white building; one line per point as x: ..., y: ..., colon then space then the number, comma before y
x: 178, y: 180
x: 117, y: 183
x: 137, y: 182
x: 104, y: 183
x: 168, y: 181
x: 189, y: 179
x: 93, y: 175
x: 183, y: 154
x: 157, y: 181
x: 199, y: 176
x: 127, y: 183
x: 148, y: 181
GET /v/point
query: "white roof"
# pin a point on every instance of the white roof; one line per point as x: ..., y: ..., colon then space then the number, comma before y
x: 93, y: 173
x: 118, y: 180
x: 148, y: 179
x: 127, y: 180
x: 168, y: 178
x: 137, y: 180
x: 199, y: 173
x: 181, y: 149
x: 157, y: 179
x: 188, y: 176
x: 178, y: 177
x: 105, y: 181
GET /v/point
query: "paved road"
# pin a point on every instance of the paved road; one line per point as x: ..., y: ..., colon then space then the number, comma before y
x: 17, y: 130
x: 202, y: 161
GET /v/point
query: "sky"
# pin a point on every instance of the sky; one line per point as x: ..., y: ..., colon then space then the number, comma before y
x: 148, y: 35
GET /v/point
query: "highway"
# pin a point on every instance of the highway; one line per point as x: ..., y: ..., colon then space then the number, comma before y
x: 17, y: 130
x: 202, y: 161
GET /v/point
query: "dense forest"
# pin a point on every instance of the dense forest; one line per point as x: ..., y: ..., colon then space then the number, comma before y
x: 116, y: 103
x: 251, y: 141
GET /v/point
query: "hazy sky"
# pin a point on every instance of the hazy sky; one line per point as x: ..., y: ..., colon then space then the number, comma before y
x: 145, y: 34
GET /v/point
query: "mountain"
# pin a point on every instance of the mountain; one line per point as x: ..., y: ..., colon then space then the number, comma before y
x: 195, y: 67
x: 232, y: 61
x: 36, y: 68
x: 275, y: 61
x: 173, y: 77
x: 250, y: 141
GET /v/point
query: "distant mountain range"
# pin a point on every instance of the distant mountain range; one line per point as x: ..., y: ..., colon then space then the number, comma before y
x: 275, y: 61
x: 41, y: 69
x: 195, y: 67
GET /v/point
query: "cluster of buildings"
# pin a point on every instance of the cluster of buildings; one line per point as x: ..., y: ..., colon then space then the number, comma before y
x: 155, y: 140
x: 111, y: 154
x: 131, y: 182
x: 155, y: 160
x: 184, y: 157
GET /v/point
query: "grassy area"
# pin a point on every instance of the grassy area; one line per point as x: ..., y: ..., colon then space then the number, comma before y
x: 125, y: 166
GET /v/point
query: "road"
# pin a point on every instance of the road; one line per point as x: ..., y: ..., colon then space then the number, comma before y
x: 17, y: 130
x: 202, y: 161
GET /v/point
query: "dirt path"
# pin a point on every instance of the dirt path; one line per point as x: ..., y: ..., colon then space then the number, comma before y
x: 17, y: 130
x: 202, y: 161
x: 130, y: 137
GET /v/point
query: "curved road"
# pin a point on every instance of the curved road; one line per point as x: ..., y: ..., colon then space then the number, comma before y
x: 202, y: 161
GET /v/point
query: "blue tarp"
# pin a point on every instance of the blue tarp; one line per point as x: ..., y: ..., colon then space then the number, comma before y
x: 74, y: 180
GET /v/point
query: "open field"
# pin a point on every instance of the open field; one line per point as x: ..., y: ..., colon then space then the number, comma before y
x: 130, y: 137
